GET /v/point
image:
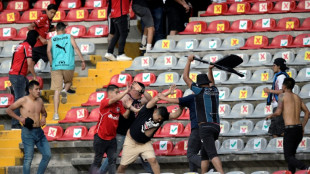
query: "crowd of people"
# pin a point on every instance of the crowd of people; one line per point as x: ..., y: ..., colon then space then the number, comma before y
x: 129, y: 120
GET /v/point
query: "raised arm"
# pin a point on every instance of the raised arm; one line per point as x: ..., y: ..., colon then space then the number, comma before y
x: 176, y: 114
x: 210, y: 75
x: 77, y: 50
x: 186, y: 78
x: 17, y: 104
x: 169, y: 100
x: 170, y: 91
x: 306, y: 111
x: 119, y: 96
x: 49, y: 51
x: 279, y: 108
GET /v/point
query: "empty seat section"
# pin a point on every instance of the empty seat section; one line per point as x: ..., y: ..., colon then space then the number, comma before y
x: 266, y: 24
x: 99, y: 14
x: 218, y: 26
x: 145, y: 78
x: 281, y: 41
x: 255, y: 42
x: 195, y: 27
x: 76, y: 31
x: 164, y: 45
x: 166, y: 78
x: 6, y: 100
x: 95, y: 98
x: 29, y: 16
x: 75, y: 115
x: 238, y: 8
x: 261, y: 128
x: 254, y: 145
x: 162, y: 148
x: 141, y: 63
x: 215, y: 9
x: 287, y: 24
x: 239, y: 26
x: 73, y: 133
x: 52, y: 133
x: 261, y: 7
x: 120, y: 80
x: 283, y: 7
x: 70, y: 4
x: 17, y: 5
x: 186, y: 45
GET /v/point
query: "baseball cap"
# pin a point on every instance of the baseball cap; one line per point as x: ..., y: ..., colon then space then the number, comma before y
x: 202, y: 79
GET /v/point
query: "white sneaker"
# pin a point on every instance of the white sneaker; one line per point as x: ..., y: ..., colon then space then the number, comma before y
x: 123, y: 57
x: 63, y: 94
x: 109, y: 56
x: 56, y: 117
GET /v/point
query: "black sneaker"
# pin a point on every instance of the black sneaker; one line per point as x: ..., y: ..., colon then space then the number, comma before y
x: 71, y: 91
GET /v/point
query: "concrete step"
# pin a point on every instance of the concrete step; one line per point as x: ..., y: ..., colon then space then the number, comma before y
x: 87, y: 90
x: 72, y: 98
x: 107, y: 73
x: 62, y: 107
x: 6, y: 152
x: 10, y: 134
x: 113, y: 64
x: 7, y: 161
x: 9, y: 143
x: 84, y: 81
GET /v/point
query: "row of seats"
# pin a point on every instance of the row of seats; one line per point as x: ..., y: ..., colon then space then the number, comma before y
x: 232, y: 43
x: 22, y: 5
x: 239, y: 8
x: 246, y: 25
x: 261, y: 58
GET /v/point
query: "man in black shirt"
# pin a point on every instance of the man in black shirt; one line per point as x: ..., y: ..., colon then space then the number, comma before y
x: 138, y: 137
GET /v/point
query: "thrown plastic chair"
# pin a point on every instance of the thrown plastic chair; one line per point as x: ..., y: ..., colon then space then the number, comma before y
x: 281, y: 41
x: 261, y: 7
x: 93, y: 116
x: 224, y: 110
x: 240, y: 110
x: 261, y: 25
x: 240, y: 93
x: 52, y: 133
x: 97, y: 31
x: 211, y: 58
x: 305, y: 24
x: 185, y: 45
x: 218, y: 26
x: 235, y: 79
x: 6, y: 100
x: 141, y: 63
x: 215, y: 9
x: 164, y: 45
x: 166, y: 78
x: 145, y: 78
x: 182, y: 62
x: 255, y: 42
x: 254, y: 145
x: 164, y: 62
x: 210, y: 43
x: 86, y: 48
x: 99, y: 14
x: 275, y: 145
x: 287, y: 24
x: 283, y: 7
x: 95, y: 98
x: 259, y: 93
x: 90, y: 134
x: 241, y: 25
x: 230, y: 146
x: 303, y: 75
x: 261, y: 76
x: 73, y: 133
x: 194, y: 27
x: 75, y: 115
x: 302, y: 57
x: 305, y: 91
x: 261, y: 128
x: 232, y: 43
x: 240, y: 128
x: 5, y: 66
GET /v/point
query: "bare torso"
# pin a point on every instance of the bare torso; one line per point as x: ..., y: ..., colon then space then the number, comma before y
x: 291, y: 108
x: 32, y: 109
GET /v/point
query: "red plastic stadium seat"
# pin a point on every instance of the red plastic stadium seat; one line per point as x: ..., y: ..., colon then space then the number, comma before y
x: 97, y: 31
x: 145, y: 78
x: 76, y: 15
x: 1, y: 6
x: 39, y: 79
x: 93, y: 116
x: 75, y: 115
x: 302, y: 40
x: 303, y: 6
x: 42, y: 4
x: 282, y: 172
x: 6, y: 100
x: 152, y: 92
x: 172, y: 108
x: 22, y: 34
x: 255, y: 42
x: 120, y: 80
x: 90, y: 134
x: 195, y: 27
x: 178, y: 94
x: 281, y: 41
x: 157, y: 133
x: 162, y: 148
x: 179, y: 149
x: 305, y: 24
x: 17, y: 5
x: 171, y: 129
x: 7, y: 17
x: 29, y: 16
x: 93, y: 4
x: 238, y: 8
x: 95, y: 98
x: 76, y: 31
x: 239, y: 26
x: 263, y: 25
x: 185, y: 115
x: 99, y: 14
x: 7, y: 33
x: 283, y: 7
x: 215, y: 10
x: 186, y: 132
x: 69, y: 4
x: 52, y: 133
x: 218, y: 26
x: 303, y: 172
x: 74, y: 133
x: 59, y: 16
x: 285, y: 24
x: 4, y: 82
x: 261, y: 7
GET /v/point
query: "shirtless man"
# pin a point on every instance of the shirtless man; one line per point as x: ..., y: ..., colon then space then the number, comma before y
x: 290, y: 105
x: 31, y: 106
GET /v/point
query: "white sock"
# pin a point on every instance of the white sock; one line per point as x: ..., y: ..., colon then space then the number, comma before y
x: 148, y: 47
x: 144, y: 39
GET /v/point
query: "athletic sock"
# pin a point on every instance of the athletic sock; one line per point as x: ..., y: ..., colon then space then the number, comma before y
x: 144, y: 39
x: 148, y: 47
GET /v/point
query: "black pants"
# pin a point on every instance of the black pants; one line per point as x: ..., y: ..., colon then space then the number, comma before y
x: 39, y: 53
x: 291, y: 140
x: 194, y: 145
x: 104, y: 146
x: 209, y: 133
x: 121, y: 26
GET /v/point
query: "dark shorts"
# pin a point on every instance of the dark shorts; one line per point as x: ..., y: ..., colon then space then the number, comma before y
x: 209, y: 133
x: 145, y: 14
x: 277, y: 125
x: 39, y: 53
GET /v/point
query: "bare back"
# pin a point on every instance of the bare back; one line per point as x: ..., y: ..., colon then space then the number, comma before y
x: 32, y: 109
x: 291, y: 108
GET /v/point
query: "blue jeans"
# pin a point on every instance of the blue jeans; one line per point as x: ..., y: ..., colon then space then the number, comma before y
x: 120, y: 141
x: 19, y: 84
x: 35, y: 137
x: 157, y: 14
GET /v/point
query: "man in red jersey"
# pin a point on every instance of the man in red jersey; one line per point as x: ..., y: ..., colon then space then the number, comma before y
x: 42, y: 25
x: 21, y: 66
x: 111, y: 108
